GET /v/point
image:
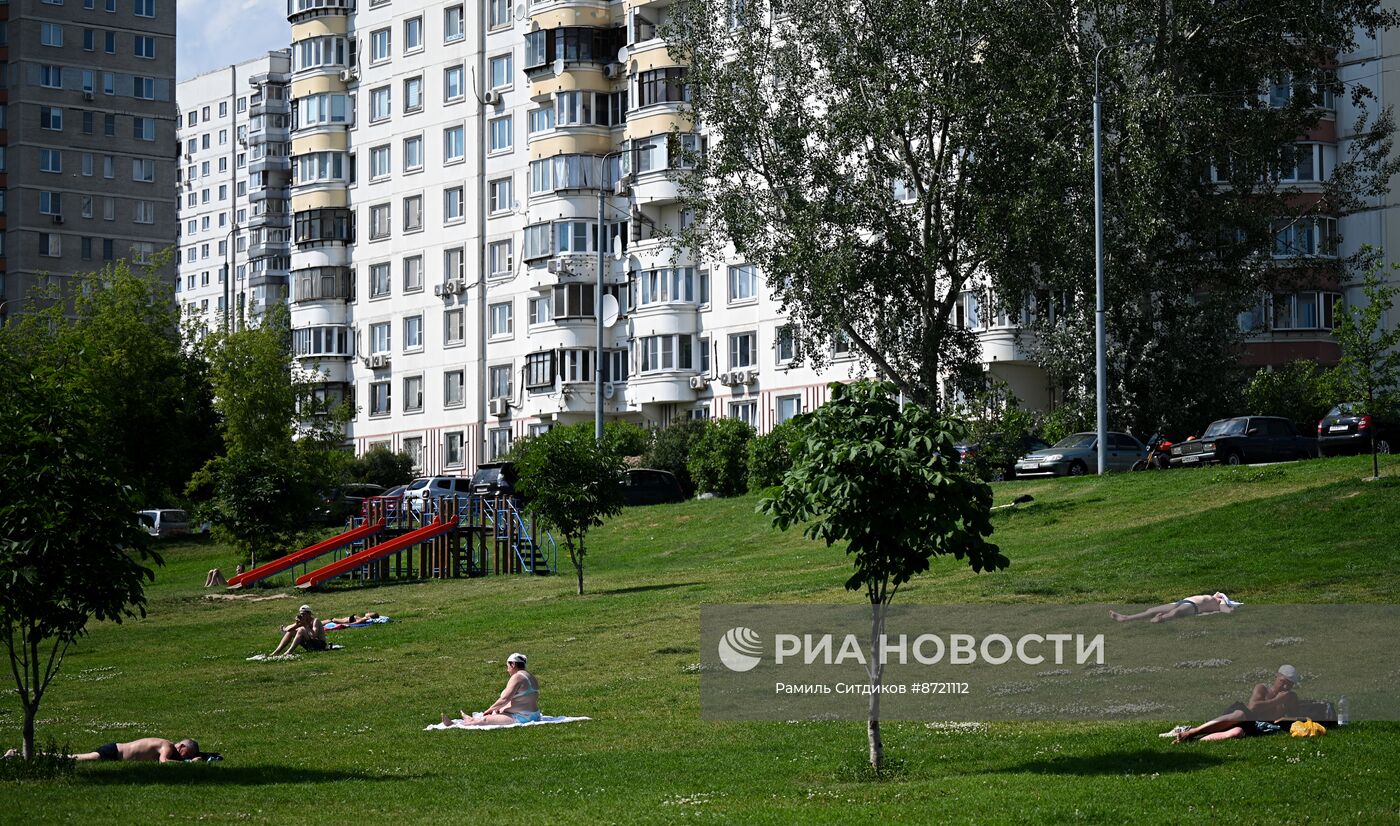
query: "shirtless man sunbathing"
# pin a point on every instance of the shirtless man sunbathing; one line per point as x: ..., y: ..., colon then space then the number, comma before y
x: 147, y: 748
x: 1267, y: 703
x: 1188, y: 607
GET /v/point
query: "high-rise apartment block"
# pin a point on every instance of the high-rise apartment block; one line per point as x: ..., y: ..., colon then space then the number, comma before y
x: 449, y: 166
x: 235, y: 167
x: 87, y: 140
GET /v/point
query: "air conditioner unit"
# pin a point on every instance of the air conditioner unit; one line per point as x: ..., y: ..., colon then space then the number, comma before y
x: 439, y: 289
x: 379, y: 360
x: 58, y: 219
x: 623, y: 184
x: 750, y: 376
x: 499, y: 407
x: 491, y: 98
x: 87, y: 94
x: 613, y: 71
x: 699, y: 382
x: 189, y: 156
x: 725, y: 379
x: 558, y: 266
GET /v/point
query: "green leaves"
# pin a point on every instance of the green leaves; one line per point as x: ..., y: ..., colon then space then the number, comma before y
x: 884, y: 481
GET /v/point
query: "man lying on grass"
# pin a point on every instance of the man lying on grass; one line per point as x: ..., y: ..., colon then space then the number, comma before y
x: 147, y: 749
x: 1252, y: 719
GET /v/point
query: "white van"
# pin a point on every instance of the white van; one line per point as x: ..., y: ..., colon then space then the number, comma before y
x: 435, y: 487
x: 163, y: 522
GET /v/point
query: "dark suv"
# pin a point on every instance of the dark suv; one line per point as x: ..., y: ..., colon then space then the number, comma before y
x: 1344, y: 430
x: 644, y: 486
x: 494, y: 479
x: 1244, y: 440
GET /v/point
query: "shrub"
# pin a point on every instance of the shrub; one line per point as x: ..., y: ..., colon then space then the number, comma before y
x: 623, y: 439
x: 770, y: 455
x: 719, y: 457
x: 1066, y: 419
x: 670, y: 450
x: 381, y: 466
x: 1300, y: 391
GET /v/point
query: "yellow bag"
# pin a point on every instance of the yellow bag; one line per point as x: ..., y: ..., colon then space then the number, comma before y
x: 1306, y: 728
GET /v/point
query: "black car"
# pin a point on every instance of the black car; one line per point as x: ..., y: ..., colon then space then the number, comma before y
x: 1244, y: 440
x: 644, y: 486
x: 1345, y: 430
x: 494, y: 479
x: 345, y: 501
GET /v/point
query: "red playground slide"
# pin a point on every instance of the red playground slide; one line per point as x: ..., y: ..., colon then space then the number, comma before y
x: 277, y: 566
x: 393, y: 546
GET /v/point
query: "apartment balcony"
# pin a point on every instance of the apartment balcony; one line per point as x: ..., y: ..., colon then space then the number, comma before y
x: 268, y: 278
x: 275, y: 106
x: 299, y: 11
x: 270, y: 164
x: 270, y: 135
x: 310, y: 284
x: 662, y: 387
x: 1007, y: 344
x: 278, y: 220
x: 263, y: 249
x: 656, y: 189
x: 269, y: 193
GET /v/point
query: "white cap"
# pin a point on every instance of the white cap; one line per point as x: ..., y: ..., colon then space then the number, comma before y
x: 517, y: 657
x: 305, y: 609
x: 1289, y: 673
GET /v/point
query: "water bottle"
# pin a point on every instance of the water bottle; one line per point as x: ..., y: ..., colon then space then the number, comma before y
x: 1343, y: 715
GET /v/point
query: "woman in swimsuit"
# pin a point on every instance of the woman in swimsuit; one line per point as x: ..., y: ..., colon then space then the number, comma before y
x: 1189, y: 607
x: 519, y: 703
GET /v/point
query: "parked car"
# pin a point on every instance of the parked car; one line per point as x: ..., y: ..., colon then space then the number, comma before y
x: 1344, y: 430
x: 494, y: 479
x: 1076, y: 454
x: 999, y: 443
x: 644, y: 486
x: 164, y: 522
x: 342, y: 502
x: 435, y: 487
x: 1244, y: 440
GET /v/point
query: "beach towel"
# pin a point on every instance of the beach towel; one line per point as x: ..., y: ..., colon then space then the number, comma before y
x: 266, y: 659
x: 335, y: 626
x: 543, y: 721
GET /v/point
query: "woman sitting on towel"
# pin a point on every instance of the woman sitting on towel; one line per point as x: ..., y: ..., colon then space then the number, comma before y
x: 519, y: 703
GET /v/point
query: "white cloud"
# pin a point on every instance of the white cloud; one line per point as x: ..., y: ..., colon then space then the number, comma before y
x: 217, y: 33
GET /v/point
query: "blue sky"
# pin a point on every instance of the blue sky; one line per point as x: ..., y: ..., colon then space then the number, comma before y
x: 216, y: 33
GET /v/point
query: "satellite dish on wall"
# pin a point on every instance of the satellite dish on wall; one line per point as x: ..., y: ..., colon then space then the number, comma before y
x: 559, y: 66
x: 609, y: 390
x: 610, y: 310
x: 622, y: 55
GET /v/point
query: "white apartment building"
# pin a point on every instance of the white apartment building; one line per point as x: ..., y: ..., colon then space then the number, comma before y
x: 233, y: 198
x: 447, y: 161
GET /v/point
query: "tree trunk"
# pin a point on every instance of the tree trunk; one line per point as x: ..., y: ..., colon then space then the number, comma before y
x: 30, y: 712
x: 877, y: 672
x: 577, y: 559
x: 578, y: 566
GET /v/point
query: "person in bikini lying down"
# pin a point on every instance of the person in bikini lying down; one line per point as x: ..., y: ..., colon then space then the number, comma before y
x: 354, y: 618
x: 1216, y: 603
x: 518, y: 704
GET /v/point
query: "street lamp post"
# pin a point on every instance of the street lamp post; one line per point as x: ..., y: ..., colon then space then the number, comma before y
x: 230, y: 255
x: 598, y: 296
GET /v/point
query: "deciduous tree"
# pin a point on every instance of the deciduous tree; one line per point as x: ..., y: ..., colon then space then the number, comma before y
x: 1370, y: 362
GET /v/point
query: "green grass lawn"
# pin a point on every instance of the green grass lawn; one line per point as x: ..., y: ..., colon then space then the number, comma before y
x: 336, y: 737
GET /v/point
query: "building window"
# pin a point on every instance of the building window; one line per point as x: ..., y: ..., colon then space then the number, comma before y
x: 452, y: 205
x: 743, y: 283
x: 1308, y: 310
x: 379, y: 223
x: 51, y: 34
x: 143, y: 169
x: 412, y: 213
x: 452, y: 29
x: 379, y: 398
x: 50, y: 160
x: 1306, y: 237
x: 413, y: 332
x: 540, y: 311
x: 786, y: 345
x: 413, y: 153
x: 51, y: 76
x: 500, y: 132
x: 662, y: 86
x: 50, y: 203
x: 143, y: 8
x: 380, y: 107
x: 379, y: 338
x: 539, y: 370
x: 379, y: 45
x: 412, y: 34
x: 500, y: 197
x: 50, y: 244
x: 501, y: 381
x: 143, y: 88
x: 500, y: 442
x: 788, y: 407
x: 454, y: 327
x: 413, y: 394
x: 841, y: 347
x: 413, y: 94
x: 380, y: 162
x: 144, y: 46
x: 453, y: 264
x: 500, y: 258
x: 541, y: 120
x: 667, y: 353
x: 143, y: 129
x: 455, y: 454
x: 452, y: 84
x: 453, y: 146
x: 500, y: 13
x: 413, y: 273
x: 379, y: 282
x: 666, y: 286
x: 453, y: 385
x: 502, y: 71
x: 502, y: 320
x: 742, y: 347
x: 746, y: 412
x: 573, y: 301
x: 144, y: 212
x: 51, y: 117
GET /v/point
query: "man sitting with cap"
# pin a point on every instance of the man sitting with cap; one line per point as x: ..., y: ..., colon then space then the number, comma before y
x: 1267, y: 703
x: 305, y: 630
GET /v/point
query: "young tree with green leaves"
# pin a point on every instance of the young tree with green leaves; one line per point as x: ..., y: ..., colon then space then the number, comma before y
x: 856, y: 449
x: 71, y: 549
x: 1370, y: 362
x: 572, y: 483
x: 282, y: 443
x: 719, y: 457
